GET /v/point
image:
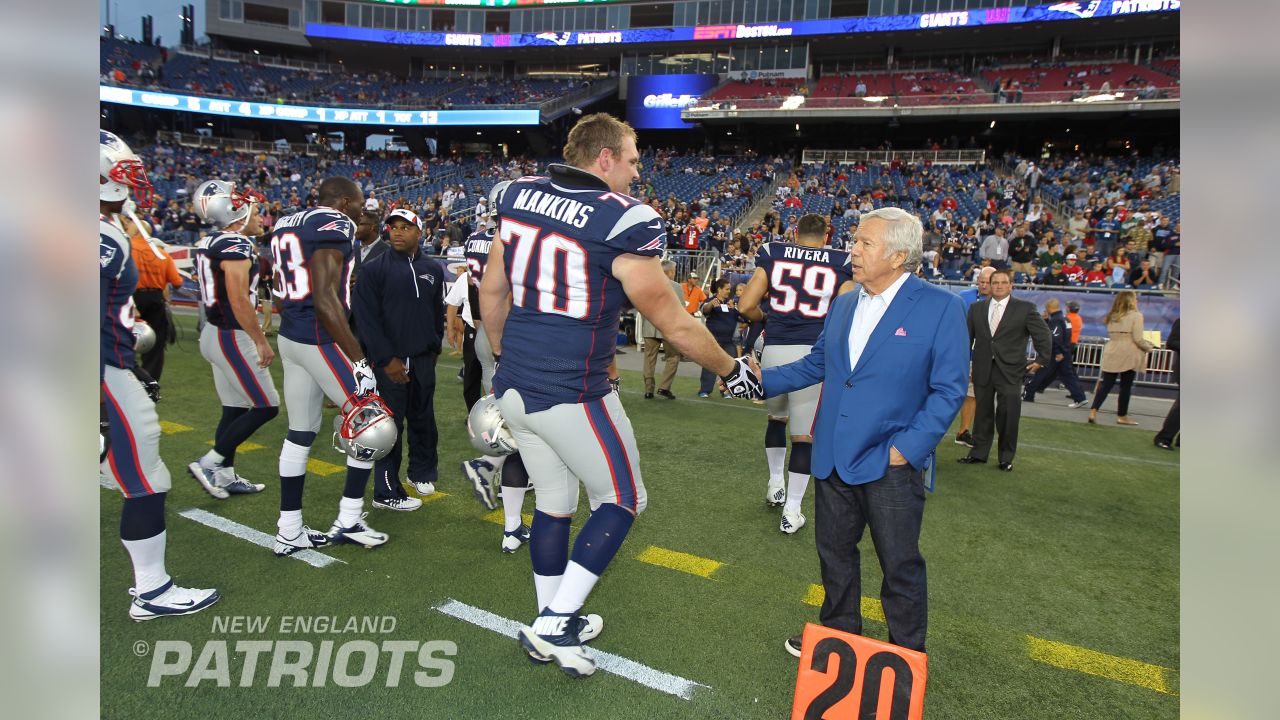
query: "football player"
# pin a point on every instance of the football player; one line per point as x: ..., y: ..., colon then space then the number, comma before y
x: 314, y: 253
x: 570, y: 245
x: 231, y: 340
x: 508, y: 470
x: 800, y: 280
x: 129, y: 429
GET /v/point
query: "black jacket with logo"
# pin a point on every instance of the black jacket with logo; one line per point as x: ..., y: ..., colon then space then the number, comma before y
x: 399, y: 306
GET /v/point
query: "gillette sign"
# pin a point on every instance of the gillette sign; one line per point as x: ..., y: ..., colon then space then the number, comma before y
x: 655, y: 101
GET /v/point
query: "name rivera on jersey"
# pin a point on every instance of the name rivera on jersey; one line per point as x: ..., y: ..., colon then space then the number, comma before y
x: 563, y: 209
x: 796, y: 252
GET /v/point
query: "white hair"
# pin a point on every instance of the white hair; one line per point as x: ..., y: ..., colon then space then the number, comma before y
x: 903, y: 234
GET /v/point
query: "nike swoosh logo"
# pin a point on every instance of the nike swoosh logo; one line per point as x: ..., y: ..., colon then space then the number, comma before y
x: 188, y: 603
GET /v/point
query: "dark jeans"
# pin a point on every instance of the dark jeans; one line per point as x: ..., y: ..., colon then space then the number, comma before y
x: 1104, y: 388
x: 893, y: 507
x: 1064, y: 369
x: 414, y: 402
x: 151, y: 307
x: 708, y: 378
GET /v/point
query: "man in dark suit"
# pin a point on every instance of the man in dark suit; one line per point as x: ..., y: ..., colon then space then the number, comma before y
x: 999, y: 328
x: 1168, y: 434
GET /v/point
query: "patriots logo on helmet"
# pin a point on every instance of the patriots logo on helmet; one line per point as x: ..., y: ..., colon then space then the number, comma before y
x: 1079, y: 9
x: 559, y: 38
x: 210, y: 191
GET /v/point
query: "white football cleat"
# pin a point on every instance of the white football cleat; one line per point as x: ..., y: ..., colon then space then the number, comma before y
x: 207, y: 477
x: 589, y: 627
x: 425, y: 488
x: 511, y: 541
x: 304, y: 540
x: 775, y: 495
x: 404, y: 504
x: 358, y: 533
x: 555, y: 637
x: 227, y: 479
x: 481, y: 473
x: 169, y: 599
x: 791, y: 522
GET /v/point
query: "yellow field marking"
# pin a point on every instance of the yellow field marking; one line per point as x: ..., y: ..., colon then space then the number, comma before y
x: 497, y: 518
x: 683, y: 562
x: 871, y: 608
x: 169, y: 428
x: 320, y: 467
x: 437, y: 495
x: 1092, y: 662
x: 246, y: 447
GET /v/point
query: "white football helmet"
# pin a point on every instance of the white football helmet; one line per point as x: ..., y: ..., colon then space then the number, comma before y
x: 364, y: 429
x: 121, y: 172
x: 144, y: 337
x: 221, y: 205
x: 495, y: 196
x: 488, y: 430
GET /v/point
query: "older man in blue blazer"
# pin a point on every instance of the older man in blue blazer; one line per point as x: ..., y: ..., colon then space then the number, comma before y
x: 893, y: 360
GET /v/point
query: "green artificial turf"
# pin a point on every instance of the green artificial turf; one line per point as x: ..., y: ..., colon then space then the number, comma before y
x: 1074, y: 548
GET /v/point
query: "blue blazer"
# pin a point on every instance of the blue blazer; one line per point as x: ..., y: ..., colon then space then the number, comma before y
x: 909, y: 383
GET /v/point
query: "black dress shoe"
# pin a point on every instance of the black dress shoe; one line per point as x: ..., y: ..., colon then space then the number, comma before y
x: 648, y: 396
x: 793, y: 645
x: 667, y: 394
x: 1007, y: 467
x: 970, y: 460
x: 965, y: 438
x: 1163, y: 445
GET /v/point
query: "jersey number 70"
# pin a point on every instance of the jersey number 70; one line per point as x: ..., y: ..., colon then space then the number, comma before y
x: 561, y: 284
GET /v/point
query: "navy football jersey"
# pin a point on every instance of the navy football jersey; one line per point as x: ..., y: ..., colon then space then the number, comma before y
x: 118, y: 278
x: 294, y: 239
x: 210, y: 253
x: 802, y: 283
x: 560, y: 236
x: 476, y: 251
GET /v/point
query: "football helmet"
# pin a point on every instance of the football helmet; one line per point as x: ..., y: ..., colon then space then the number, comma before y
x: 221, y: 205
x: 144, y: 337
x: 121, y: 172
x: 488, y: 430
x: 495, y: 196
x: 364, y: 429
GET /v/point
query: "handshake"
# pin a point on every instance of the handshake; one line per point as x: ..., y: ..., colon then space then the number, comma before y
x: 744, y: 380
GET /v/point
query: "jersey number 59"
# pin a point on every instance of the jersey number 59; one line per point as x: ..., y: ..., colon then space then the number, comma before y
x: 561, y: 285
x: 816, y: 281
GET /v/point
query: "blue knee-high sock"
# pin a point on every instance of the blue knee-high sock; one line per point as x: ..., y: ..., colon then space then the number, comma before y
x: 291, y: 485
x: 592, y: 551
x: 229, y: 415
x: 549, y: 553
x: 143, y: 517
x: 241, y: 429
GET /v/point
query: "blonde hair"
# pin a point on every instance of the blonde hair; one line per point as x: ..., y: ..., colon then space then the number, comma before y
x: 1126, y: 302
x: 594, y: 133
x: 1052, y: 305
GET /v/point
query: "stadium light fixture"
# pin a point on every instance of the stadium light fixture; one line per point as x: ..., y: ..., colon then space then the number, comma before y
x: 993, y: 124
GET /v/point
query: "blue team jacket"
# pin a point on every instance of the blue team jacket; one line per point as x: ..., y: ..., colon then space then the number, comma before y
x: 399, y: 306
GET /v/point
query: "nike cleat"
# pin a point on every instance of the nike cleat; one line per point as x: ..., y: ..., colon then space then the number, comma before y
x: 207, y: 477
x: 169, y: 599
x: 481, y: 473
x: 306, y: 539
x: 511, y: 541
x: 358, y: 533
x: 555, y: 637
x: 589, y: 627
x: 775, y: 496
x: 791, y: 522
x: 228, y: 480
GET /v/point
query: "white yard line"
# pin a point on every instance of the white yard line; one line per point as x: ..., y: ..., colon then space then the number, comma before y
x: 610, y: 663
x: 235, y: 529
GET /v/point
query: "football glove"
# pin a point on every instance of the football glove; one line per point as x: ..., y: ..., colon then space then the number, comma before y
x: 615, y: 384
x: 741, y: 382
x: 148, y: 383
x: 365, y: 382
